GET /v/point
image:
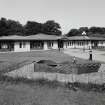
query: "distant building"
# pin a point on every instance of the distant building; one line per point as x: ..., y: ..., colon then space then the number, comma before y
x: 16, y: 43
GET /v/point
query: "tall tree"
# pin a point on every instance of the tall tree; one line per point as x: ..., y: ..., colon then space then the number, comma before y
x: 52, y: 27
x: 10, y: 27
x: 32, y: 27
x: 92, y: 31
x: 14, y: 27
x: 81, y: 29
x: 49, y: 27
x: 99, y: 30
x: 3, y: 27
x: 73, y: 32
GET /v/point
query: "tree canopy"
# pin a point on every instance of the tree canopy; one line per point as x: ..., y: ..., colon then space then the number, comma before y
x: 50, y: 27
x: 32, y: 28
x: 92, y: 31
x: 12, y: 27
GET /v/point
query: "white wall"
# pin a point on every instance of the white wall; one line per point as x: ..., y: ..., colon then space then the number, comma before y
x: 65, y: 45
x: 55, y: 45
x: 23, y: 48
x: 45, y: 45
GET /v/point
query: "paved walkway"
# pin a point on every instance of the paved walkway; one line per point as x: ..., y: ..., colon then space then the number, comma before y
x: 97, y: 55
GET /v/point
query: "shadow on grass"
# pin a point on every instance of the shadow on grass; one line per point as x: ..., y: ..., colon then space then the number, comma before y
x: 40, y: 82
x: 86, y: 86
x: 55, y: 84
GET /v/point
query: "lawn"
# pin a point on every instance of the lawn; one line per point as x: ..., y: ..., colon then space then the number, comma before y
x: 26, y: 94
x: 34, y: 94
x: 11, y: 60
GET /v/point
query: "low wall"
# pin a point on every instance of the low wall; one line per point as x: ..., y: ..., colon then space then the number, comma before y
x: 27, y: 71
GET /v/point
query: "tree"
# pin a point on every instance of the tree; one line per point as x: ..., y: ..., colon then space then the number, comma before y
x: 81, y: 29
x: 32, y: 27
x: 99, y: 30
x: 10, y: 27
x: 73, y: 32
x: 92, y: 31
x: 3, y: 26
x: 14, y: 28
x: 51, y: 27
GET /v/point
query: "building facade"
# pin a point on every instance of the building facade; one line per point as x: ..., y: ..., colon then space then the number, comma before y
x: 46, y: 42
x: 28, y: 43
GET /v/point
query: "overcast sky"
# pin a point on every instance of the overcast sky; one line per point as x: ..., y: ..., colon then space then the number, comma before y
x: 69, y: 13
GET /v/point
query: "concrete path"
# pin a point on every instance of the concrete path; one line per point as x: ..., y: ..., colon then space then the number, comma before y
x: 97, y: 55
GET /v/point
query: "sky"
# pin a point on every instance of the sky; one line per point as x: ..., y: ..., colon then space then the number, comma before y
x: 68, y: 13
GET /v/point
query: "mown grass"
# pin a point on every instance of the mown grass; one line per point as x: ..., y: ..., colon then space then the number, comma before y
x: 22, y: 91
x: 54, y: 83
x: 9, y: 60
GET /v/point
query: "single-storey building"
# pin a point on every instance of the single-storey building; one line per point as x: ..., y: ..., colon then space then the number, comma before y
x: 16, y: 43
x: 28, y: 43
